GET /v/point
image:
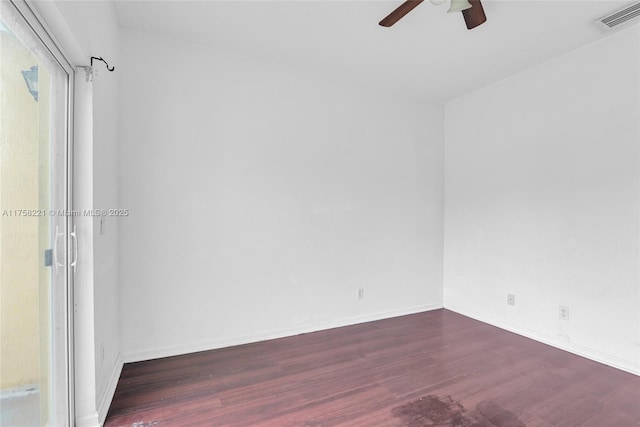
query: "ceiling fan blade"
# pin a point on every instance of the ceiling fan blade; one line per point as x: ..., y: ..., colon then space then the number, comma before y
x: 475, y: 15
x: 397, y: 14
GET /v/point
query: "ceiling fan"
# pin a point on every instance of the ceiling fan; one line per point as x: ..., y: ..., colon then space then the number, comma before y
x: 471, y: 10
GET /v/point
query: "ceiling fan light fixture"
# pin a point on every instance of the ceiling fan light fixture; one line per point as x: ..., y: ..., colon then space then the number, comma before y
x: 437, y: 2
x: 459, y: 6
x: 472, y: 11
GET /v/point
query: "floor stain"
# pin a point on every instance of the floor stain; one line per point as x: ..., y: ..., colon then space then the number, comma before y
x: 434, y: 411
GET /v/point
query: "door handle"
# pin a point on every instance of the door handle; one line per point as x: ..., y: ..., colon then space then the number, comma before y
x: 74, y: 263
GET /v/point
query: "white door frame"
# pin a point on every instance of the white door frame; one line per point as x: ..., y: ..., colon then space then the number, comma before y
x: 63, y: 344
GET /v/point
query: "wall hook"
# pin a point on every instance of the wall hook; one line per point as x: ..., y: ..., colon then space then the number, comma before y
x: 105, y: 62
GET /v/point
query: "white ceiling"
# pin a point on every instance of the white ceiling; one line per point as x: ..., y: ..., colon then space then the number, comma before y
x: 428, y: 54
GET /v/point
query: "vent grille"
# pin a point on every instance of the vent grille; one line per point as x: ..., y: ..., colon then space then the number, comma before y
x: 620, y: 17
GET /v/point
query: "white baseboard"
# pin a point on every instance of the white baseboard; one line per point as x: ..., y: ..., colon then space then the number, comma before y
x: 273, y: 334
x: 105, y: 401
x: 88, y: 421
x: 586, y: 352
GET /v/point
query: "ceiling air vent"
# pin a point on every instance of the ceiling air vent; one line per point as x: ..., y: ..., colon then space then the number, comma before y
x: 622, y: 16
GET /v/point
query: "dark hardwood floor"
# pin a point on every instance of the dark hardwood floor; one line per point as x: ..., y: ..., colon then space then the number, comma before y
x: 429, y: 369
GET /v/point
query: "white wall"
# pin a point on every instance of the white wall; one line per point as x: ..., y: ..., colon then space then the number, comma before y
x: 542, y: 201
x: 262, y: 197
x: 87, y: 29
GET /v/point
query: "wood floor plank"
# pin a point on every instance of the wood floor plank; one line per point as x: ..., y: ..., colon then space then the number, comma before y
x: 401, y: 372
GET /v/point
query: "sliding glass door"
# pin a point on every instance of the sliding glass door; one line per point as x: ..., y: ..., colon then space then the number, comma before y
x: 35, y: 246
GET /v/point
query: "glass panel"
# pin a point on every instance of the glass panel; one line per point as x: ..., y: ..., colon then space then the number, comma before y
x: 32, y: 201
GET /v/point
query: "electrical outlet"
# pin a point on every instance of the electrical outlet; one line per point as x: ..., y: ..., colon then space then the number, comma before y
x: 511, y: 299
x: 360, y: 293
x: 563, y: 313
